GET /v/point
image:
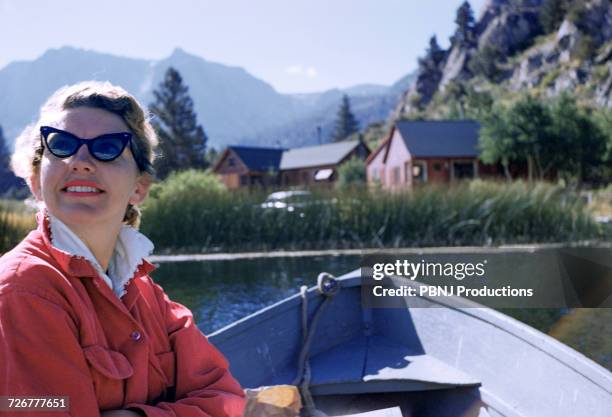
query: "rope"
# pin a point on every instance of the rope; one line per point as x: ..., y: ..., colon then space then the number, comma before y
x: 327, y: 286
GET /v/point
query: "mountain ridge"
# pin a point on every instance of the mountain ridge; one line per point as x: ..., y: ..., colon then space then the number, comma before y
x: 233, y: 106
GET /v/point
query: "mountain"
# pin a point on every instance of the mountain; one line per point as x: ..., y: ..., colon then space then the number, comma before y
x: 303, y: 131
x: 544, y: 47
x: 233, y: 106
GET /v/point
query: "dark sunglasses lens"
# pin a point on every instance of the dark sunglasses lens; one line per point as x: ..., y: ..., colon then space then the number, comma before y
x: 61, y: 145
x: 108, y: 148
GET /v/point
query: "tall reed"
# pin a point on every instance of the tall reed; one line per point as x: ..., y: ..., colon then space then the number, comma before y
x: 191, y: 212
x: 15, y: 223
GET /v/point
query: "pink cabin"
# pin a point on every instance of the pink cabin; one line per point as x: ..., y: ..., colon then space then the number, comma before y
x: 427, y: 151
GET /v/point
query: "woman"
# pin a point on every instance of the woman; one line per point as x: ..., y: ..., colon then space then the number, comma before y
x: 79, y: 315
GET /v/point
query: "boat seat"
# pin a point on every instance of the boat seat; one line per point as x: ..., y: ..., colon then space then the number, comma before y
x: 375, y: 364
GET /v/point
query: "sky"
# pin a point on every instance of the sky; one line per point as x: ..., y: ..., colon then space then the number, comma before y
x: 297, y: 46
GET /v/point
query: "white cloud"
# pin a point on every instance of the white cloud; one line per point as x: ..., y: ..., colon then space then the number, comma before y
x: 311, y: 72
x: 302, y: 71
x: 294, y: 69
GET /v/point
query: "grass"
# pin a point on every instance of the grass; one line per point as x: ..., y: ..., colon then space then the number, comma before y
x: 185, y: 216
x: 601, y: 204
x: 192, y: 212
x: 16, y: 220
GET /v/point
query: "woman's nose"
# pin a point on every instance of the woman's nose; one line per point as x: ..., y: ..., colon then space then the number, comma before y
x: 82, y: 160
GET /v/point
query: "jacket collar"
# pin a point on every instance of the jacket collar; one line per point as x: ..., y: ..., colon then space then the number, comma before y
x: 128, y: 264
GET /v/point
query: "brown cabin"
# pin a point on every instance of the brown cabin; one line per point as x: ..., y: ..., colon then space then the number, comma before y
x: 318, y: 165
x: 246, y: 166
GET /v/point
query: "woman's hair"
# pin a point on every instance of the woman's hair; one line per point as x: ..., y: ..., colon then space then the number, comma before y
x: 102, y: 95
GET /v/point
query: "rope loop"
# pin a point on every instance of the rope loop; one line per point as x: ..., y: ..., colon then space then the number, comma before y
x: 328, y: 286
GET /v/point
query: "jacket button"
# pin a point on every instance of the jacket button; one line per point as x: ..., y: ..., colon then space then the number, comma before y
x: 135, y: 335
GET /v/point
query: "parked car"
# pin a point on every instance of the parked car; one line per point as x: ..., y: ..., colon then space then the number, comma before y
x: 288, y: 200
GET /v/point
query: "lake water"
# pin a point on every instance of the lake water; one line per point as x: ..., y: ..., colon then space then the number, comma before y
x: 222, y: 291
x: 219, y: 292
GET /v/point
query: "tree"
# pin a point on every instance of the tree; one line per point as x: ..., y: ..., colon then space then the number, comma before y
x: 346, y: 123
x: 520, y: 133
x: 530, y: 122
x: 603, y: 118
x: 211, y: 156
x: 465, y: 34
x: 351, y: 173
x: 552, y: 13
x: 580, y: 141
x: 181, y: 140
x: 495, y: 142
x: 559, y: 135
x: 9, y: 183
x: 434, y: 56
x: 429, y: 75
x: 456, y: 93
x: 484, y: 62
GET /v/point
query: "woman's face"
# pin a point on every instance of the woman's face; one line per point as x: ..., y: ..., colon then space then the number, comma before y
x: 80, y: 190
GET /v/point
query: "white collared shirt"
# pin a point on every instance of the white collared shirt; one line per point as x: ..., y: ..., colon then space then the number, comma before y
x: 130, y: 250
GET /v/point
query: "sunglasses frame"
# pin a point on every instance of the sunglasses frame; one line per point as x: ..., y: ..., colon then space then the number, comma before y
x: 125, y: 137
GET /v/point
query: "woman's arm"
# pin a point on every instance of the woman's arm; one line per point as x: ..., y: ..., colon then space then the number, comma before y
x: 203, y: 385
x: 40, y: 354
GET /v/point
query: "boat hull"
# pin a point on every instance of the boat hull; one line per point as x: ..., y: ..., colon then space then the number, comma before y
x: 429, y: 358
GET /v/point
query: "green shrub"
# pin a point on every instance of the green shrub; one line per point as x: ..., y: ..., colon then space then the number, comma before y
x: 586, y: 48
x: 549, y: 79
x: 485, y: 62
x: 351, y: 173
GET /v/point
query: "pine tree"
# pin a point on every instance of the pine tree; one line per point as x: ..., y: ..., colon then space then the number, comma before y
x: 433, y: 56
x: 182, y: 141
x: 346, y: 123
x: 465, y: 35
x: 552, y: 13
x: 8, y: 181
x: 433, y: 45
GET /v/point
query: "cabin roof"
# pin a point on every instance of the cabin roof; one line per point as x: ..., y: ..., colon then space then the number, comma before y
x: 440, y: 138
x: 259, y: 159
x: 312, y: 156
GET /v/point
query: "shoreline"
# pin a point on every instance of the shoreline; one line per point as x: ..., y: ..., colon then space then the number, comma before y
x: 225, y: 256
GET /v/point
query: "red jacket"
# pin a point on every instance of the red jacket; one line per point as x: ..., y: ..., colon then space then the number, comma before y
x: 63, y: 332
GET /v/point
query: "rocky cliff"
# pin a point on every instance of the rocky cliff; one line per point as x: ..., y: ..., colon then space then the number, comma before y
x: 511, y: 47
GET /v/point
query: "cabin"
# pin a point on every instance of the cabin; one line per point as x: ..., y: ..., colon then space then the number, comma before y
x: 247, y: 166
x: 318, y: 165
x: 427, y: 151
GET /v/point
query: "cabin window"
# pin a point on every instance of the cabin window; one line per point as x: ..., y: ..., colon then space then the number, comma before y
x: 375, y: 174
x: 244, y: 180
x: 324, y: 174
x: 419, y: 171
x: 231, y: 162
x: 437, y: 167
x: 463, y: 170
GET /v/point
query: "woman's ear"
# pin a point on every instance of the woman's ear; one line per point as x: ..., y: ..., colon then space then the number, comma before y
x: 141, y: 190
x: 34, y: 184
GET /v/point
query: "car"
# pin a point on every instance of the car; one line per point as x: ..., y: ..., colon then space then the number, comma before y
x: 288, y: 200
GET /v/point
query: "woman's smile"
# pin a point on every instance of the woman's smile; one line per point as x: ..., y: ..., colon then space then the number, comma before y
x: 82, y: 189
